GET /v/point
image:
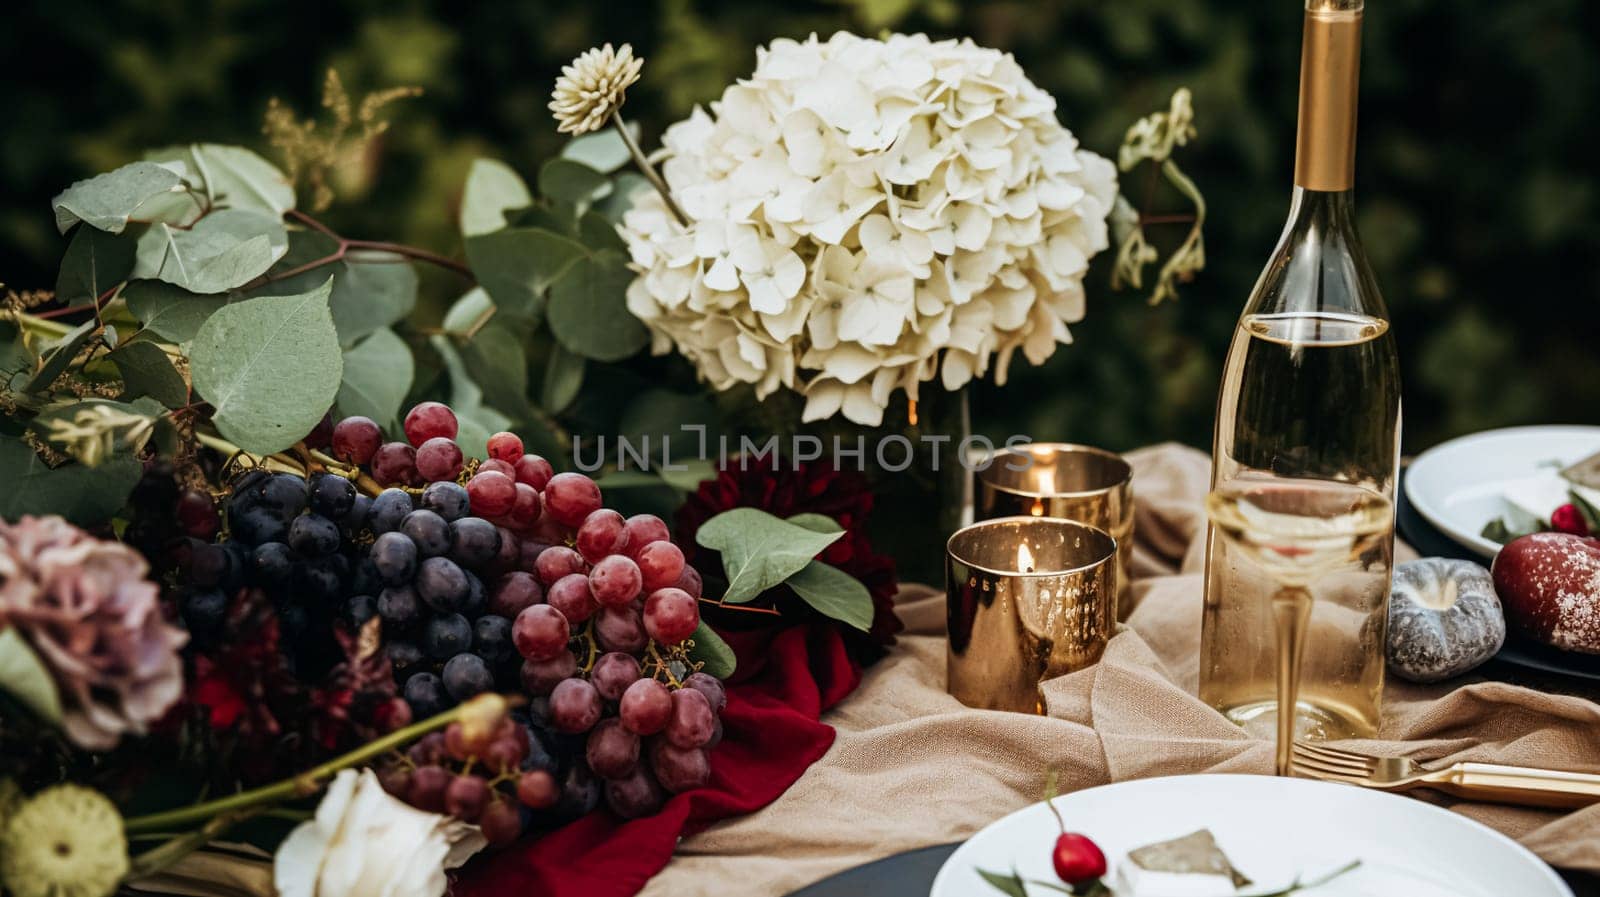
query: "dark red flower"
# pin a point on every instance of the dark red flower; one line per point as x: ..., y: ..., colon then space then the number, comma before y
x: 814, y: 488
x: 273, y: 721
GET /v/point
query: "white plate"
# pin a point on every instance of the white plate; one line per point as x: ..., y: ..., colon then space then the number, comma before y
x: 1272, y: 829
x: 1460, y: 485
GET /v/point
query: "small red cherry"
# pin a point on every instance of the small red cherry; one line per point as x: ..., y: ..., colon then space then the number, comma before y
x: 1568, y: 519
x: 1078, y: 860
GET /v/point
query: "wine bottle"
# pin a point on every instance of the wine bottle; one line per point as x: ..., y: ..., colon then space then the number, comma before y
x: 1309, y: 407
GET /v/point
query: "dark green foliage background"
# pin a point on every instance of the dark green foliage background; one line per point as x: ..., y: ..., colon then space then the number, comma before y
x: 1477, y: 168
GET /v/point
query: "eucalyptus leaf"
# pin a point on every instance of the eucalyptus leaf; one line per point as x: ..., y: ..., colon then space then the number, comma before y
x: 819, y: 523
x: 686, y: 476
x: 626, y: 186
x: 15, y: 355
x: 492, y: 189
x: 371, y: 290
x: 759, y: 551
x: 589, y: 313
x: 563, y: 379
x: 377, y: 375
x: 222, y: 251
x: 602, y: 151
x: 147, y: 371
x: 656, y: 419
x: 168, y: 311
x: 833, y: 593
x: 83, y: 495
x: 270, y: 366
x: 24, y: 676
x: 465, y: 311
x: 598, y: 232
x: 95, y: 262
x: 60, y: 356
x: 108, y: 201
x: 709, y: 649
x: 232, y: 176
x: 516, y: 265
x: 495, y: 360
x: 572, y: 182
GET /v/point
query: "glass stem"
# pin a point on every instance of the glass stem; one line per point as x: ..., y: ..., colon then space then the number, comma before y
x: 1291, y: 609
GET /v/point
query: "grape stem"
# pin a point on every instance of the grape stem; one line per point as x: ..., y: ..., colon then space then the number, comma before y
x: 304, y: 784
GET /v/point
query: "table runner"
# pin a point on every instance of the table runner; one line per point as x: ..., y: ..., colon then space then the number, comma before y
x: 912, y: 767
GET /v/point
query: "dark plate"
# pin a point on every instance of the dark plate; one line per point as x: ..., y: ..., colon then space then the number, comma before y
x: 908, y: 874
x: 1517, y: 652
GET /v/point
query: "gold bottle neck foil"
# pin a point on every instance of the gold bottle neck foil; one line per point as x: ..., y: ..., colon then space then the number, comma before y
x: 1330, y: 66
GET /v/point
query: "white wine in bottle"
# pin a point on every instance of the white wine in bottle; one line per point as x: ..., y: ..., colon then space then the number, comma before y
x: 1307, y: 440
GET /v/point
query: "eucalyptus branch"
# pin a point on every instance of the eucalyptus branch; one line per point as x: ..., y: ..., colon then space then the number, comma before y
x: 342, y: 250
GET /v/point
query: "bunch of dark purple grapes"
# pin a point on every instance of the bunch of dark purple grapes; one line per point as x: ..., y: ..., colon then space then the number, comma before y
x: 302, y: 543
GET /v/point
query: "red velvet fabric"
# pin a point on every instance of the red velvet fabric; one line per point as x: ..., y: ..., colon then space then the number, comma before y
x: 786, y: 678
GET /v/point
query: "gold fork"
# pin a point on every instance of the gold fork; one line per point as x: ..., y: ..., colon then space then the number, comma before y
x: 1474, y: 781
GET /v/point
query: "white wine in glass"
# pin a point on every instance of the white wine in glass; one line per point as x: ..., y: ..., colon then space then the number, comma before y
x: 1290, y: 539
x: 1307, y: 441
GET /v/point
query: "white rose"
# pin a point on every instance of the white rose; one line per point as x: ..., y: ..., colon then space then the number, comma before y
x: 365, y: 843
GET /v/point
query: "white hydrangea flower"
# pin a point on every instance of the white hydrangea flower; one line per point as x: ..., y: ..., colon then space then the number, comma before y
x: 866, y: 215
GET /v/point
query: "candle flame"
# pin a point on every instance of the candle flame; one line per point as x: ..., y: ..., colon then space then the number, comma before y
x: 1045, y: 485
x: 1024, y: 559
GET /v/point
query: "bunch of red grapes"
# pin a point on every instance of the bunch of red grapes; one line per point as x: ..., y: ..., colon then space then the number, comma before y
x: 503, y: 574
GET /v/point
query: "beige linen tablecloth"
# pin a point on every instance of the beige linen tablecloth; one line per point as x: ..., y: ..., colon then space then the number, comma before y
x: 913, y: 767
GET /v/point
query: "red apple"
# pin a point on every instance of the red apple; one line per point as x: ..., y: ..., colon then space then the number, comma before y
x: 1549, y: 584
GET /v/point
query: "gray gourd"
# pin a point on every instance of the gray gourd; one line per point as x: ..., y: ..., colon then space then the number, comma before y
x: 1444, y: 619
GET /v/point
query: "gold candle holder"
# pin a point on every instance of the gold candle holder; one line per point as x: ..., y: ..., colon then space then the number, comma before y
x: 1073, y: 482
x: 1029, y: 599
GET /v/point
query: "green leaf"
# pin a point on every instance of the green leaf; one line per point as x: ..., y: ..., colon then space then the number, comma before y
x: 148, y: 371
x: 495, y: 361
x: 60, y: 356
x: 371, y: 290
x: 694, y: 472
x: 83, y: 495
x: 24, y: 676
x: 589, y: 310
x: 711, y: 650
x: 492, y: 189
x: 759, y: 551
x: 599, y: 233
x: 563, y: 379
x: 833, y: 593
x: 1586, y: 509
x: 15, y: 355
x: 1008, y: 884
x: 627, y: 185
x: 377, y: 375
x: 95, y: 261
x: 658, y: 417
x: 270, y: 366
x: 572, y: 182
x: 600, y: 150
x: 107, y: 201
x: 232, y: 176
x: 464, y: 312
x: 169, y: 311
x: 223, y: 250
x: 516, y: 265
x: 817, y: 523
